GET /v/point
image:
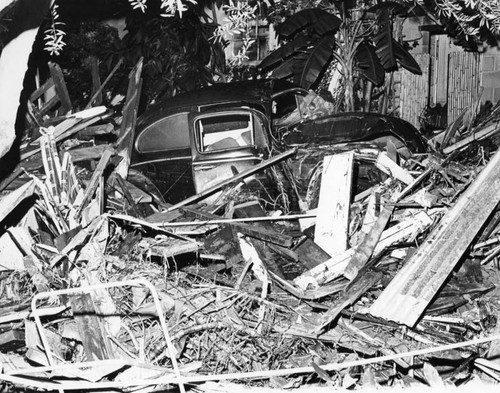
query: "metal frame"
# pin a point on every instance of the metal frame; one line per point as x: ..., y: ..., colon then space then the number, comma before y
x: 90, y: 288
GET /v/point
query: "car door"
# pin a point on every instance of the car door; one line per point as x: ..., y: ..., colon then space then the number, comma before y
x: 162, y: 152
x: 225, y: 143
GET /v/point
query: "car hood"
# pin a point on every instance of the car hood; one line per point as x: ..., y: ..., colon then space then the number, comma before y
x: 352, y: 127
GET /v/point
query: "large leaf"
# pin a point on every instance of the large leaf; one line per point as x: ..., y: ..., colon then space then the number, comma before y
x: 383, y: 41
x: 285, y: 69
x: 322, y: 22
x: 315, y: 64
x: 369, y: 64
x: 405, y: 59
x: 284, y: 52
x: 393, y: 7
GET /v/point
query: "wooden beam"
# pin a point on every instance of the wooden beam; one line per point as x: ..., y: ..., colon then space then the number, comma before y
x: 388, y: 166
x: 412, y: 289
x: 332, y: 222
x: 234, y: 180
x: 90, y: 327
x: 365, y: 249
x: 485, y: 132
x: 268, y: 235
x: 336, y: 266
x: 348, y: 297
x: 129, y: 118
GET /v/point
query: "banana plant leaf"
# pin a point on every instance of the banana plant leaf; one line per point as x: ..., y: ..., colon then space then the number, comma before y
x: 316, y: 61
x: 369, y: 64
x: 383, y: 41
x: 321, y: 22
x: 285, y: 69
x: 285, y: 51
x: 405, y: 59
x: 393, y: 7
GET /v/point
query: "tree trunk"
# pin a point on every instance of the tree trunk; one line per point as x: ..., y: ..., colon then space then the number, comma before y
x: 349, y: 90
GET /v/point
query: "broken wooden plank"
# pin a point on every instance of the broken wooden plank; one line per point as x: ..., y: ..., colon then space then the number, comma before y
x: 87, y: 153
x: 90, y: 327
x: 332, y: 222
x: 310, y: 254
x: 76, y: 241
x: 96, y: 98
x: 60, y: 87
x: 365, y: 249
x: 71, y: 126
x: 388, y: 166
x: 485, y: 132
x: 335, y: 267
x: 94, y: 182
x: 10, y: 201
x: 235, y: 179
x: 129, y: 118
x: 91, y: 131
x: 12, y: 340
x: 410, y: 292
x: 265, y: 234
x: 173, y: 247
x: 11, y: 258
x: 348, y: 297
x: 108, y: 78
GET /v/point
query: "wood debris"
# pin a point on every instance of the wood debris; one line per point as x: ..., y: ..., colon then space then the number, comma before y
x: 105, y: 287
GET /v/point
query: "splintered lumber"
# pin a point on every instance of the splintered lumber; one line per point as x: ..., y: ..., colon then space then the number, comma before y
x: 265, y: 234
x: 235, y: 179
x: 71, y: 125
x: 87, y: 153
x: 129, y: 112
x: 251, y: 256
x: 94, y: 182
x: 387, y: 165
x: 410, y: 292
x: 335, y: 267
x: 11, y: 258
x: 348, y: 297
x: 332, y: 222
x: 365, y: 250
x: 76, y: 241
x: 12, y: 340
x: 108, y: 78
x: 485, y: 132
x: 90, y: 327
x: 10, y: 201
x: 310, y: 254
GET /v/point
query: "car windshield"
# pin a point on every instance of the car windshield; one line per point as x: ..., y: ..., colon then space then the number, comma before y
x: 225, y: 131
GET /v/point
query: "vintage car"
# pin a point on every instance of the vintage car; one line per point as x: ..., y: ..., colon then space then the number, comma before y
x: 192, y: 141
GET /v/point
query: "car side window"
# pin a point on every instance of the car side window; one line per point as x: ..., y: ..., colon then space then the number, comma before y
x: 225, y: 131
x: 170, y: 133
x: 287, y: 108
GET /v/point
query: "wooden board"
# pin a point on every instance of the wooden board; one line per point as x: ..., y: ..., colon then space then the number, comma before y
x: 310, y: 254
x: 10, y: 201
x: 332, y: 222
x: 388, y: 166
x: 269, y: 235
x: 90, y: 327
x: 412, y: 289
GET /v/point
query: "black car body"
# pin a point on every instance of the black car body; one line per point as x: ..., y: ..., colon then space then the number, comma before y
x: 192, y: 141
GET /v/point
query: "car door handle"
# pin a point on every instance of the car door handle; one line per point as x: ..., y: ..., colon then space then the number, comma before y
x: 204, y: 167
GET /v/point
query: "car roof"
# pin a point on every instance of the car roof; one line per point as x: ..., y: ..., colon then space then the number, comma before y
x: 256, y: 92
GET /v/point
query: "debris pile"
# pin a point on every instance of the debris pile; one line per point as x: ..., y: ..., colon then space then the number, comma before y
x: 105, y: 287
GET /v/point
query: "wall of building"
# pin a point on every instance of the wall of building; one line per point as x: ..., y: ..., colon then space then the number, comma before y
x: 490, y: 77
x: 454, y: 77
